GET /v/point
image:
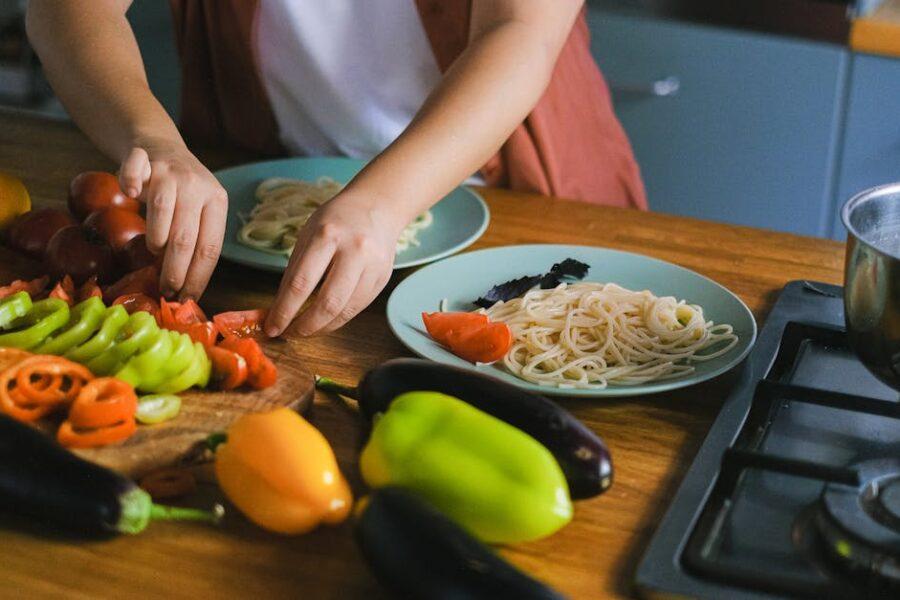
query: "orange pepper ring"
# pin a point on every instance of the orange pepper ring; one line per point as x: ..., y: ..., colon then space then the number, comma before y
x: 103, y: 402
x: 169, y: 483
x: 71, y: 437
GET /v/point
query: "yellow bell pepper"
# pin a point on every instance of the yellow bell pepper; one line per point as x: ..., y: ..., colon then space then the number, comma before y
x: 281, y: 473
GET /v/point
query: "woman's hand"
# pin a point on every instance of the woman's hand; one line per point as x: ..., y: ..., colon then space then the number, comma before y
x: 352, y: 239
x: 186, y: 212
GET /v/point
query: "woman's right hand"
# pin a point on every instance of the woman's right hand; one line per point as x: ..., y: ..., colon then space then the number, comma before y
x: 186, y: 212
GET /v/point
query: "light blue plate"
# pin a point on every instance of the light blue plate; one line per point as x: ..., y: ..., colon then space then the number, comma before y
x: 464, y: 278
x: 459, y: 218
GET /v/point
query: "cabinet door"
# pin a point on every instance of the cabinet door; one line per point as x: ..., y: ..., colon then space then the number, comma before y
x: 749, y: 136
x: 871, y: 148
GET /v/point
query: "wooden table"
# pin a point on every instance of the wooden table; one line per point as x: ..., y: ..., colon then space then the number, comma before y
x: 652, y: 439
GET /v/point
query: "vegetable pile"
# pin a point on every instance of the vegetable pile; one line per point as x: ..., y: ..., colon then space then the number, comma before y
x: 456, y: 459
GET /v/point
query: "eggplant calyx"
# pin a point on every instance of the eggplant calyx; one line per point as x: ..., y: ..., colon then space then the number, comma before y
x: 329, y: 385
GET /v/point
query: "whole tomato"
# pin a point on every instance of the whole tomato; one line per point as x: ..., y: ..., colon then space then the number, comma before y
x: 116, y: 225
x: 135, y: 255
x: 30, y: 232
x: 80, y: 253
x: 95, y: 190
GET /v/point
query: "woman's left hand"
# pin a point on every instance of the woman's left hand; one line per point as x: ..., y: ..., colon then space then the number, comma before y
x: 354, y: 241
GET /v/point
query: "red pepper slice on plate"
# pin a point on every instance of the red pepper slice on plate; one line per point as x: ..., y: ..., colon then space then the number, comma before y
x: 261, y: 371
x: 440, y: 325
x: 487, y: 344
x: 240, y: 323
x: 229, y: 369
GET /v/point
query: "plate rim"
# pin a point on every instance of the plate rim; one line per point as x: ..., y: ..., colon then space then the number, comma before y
x: 471, y: 193
x: 608, y: 392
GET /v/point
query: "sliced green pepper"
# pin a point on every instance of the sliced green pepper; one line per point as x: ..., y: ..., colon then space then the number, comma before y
x: 182, y: 354
x: 144, y: 370
x: 45, y: 317
x: 157, y: 408
x: 14, y: 307
x: 139, y: 333
x: 194, y: 374
x: 84, y: 319
x: 493, y: 479
x: 113, y: 320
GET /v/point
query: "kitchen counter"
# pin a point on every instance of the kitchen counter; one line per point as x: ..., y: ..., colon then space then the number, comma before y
x: 652, y: 439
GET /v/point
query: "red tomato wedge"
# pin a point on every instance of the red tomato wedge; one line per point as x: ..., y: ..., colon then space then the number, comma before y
x: 229, y: 369
x: 240, y: 323
x: 88, y: 289
x: 440, y: 325
x: 144, y: 281
x: 64, y: 290
x: 261, y: 371
x: 34, y: 287
x: 136, y: 302
x: 187, y: 318
x: 486, y: 344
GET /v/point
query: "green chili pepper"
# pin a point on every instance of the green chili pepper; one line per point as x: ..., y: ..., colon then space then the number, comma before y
x: 14, y: 307
x: 45, y: 317
x: 494, y: 480
x: 157, y: 408
x: 84, y: 319
x: 113, y: 320
x: 144, y: 370
x: 136, y: 335
x: 191, y: 375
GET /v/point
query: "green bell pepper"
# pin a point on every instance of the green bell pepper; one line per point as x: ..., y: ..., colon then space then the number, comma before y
x: 493, y: 479
x: 84, y: 319
x: 144, y: 370
x: 14, y: 307
x: 114, y: 319
x: 45, y: 317
x: 136, y: 335
x: 157, y: 408
x: 196, y: 373
x: 182, y: 354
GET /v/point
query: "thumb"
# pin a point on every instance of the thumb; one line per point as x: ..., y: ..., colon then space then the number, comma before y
x: 135, y: 172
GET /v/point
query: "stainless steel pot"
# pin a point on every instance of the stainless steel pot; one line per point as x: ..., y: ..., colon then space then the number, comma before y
x: 872, y: 279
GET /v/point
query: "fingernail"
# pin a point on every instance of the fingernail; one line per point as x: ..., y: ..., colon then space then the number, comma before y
x: 272, y: 331
x: 132, y: 191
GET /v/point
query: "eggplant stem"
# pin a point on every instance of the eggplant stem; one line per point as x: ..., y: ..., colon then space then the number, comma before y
x: 160, y: 512
x: 329, y: 385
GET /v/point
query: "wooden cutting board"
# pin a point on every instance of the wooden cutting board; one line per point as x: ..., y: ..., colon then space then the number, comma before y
x: 180, y: 442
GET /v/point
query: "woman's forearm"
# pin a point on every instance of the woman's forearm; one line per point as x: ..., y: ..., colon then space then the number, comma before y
x: 484, y: 96
x: 90, y: 56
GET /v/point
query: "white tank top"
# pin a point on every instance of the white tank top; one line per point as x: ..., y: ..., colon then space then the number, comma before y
x: 344, y: 77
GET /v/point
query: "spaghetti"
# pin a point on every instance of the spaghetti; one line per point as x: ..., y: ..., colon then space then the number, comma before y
x: 591, y: 335
x: 285, y: 205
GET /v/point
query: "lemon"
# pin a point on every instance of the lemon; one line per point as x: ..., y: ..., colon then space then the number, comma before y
x: 14, y: 199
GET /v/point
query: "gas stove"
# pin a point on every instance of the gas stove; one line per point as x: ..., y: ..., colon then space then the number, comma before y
x: 796, y: 489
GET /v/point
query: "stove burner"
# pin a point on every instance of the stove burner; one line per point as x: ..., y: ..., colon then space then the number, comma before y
x: 861, y: 524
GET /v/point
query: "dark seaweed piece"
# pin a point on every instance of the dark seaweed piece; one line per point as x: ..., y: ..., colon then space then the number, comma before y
x: 567, y: 269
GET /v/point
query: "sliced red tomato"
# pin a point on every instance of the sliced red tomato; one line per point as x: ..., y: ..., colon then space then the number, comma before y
x: 189, y: 312
x: 64, y: 290
x: 440, y: 325
x: 33, y: 286
x: 486, y: 344
x: 229, y: 369
x: 136, y: 302
x: 88, y: 289
x: 261, y: 371
x: 240, y: 323
x: 144, y: 281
